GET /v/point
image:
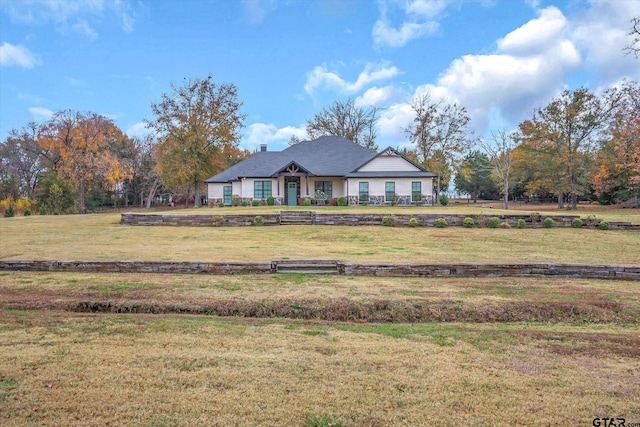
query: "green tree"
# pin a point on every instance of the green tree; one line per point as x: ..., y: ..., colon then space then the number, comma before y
x: 193, y: 124
x: 474, y: 177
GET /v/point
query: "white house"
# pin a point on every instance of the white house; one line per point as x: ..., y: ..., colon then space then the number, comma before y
x: 332, y: 165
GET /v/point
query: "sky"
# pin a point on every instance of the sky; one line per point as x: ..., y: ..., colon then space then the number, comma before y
x: 500, y: 59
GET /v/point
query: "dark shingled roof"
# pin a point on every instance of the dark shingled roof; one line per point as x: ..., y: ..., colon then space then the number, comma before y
x: 325, y: 156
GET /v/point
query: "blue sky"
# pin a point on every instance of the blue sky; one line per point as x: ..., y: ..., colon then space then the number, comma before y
x: 289, y: 59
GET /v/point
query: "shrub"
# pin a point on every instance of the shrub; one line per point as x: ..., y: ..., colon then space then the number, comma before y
x: 441, y: 223
x: 236, y: 200
x: 576, y: 223
x: 221, y: 205
x: 27, y: 212
x: 217, y: 220
x: 307, y: 202
x: 255, y: 202
x: 342, y: 201
x: 413, y: 222
x: 481, y: 221
x: 505, y: 224
x: 604, y: 225
x: 271, y: 201
x: 9, y: 212
x: 244, y: 204
x: 535, y: 217
x: 548, y: 223
x: 56, y: 211
x: 494, y: 222
x: 591, y: 220
x: 468, y: 222
x: 443, y: 199
x: 42, y: 210
x: 522, y: 223
x: 258, y: 220
x: 387, y: 221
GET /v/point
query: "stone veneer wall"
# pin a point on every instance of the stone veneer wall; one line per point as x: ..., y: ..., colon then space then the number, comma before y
x: 385, y: 270
x: 424, y: 220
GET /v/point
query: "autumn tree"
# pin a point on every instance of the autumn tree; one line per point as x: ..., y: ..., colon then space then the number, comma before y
x: 357, y: 124
x: 438, y: 127
x: 194, y: 124
x: 566, y: 129
x: 617, y: 164
x: 499, y: 150
x: 81, y: 148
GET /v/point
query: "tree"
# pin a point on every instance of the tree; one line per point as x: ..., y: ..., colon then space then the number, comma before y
x: 22, y: 161
x: 634, y: 45
x: 500, y: 152
x: 474, y: 177
x: 193, y: 124
x: 81, y: 147
x: 438, y: 126
x: 617, y: 163
x: 567, y: 128
x: 357, y: 124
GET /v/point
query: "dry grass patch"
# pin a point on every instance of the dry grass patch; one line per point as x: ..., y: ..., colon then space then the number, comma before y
x: 101, y: 237
x: 70, y: 369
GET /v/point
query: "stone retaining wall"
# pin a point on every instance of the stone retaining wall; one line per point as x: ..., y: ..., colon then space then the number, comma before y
x: 384, y: 270
x: 353, y: 219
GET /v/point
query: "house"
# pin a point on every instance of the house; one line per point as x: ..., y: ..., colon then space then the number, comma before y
x: 332, y: 165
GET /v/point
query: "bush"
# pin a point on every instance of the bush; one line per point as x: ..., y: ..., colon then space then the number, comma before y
x: 413, y: 222
x: 27, y: 212
x: 443, y: 199
x: 255, y: 202
x: 468, y: 222
x: 576, y: 223
x: 221, y: 205
x: 591, y: 220
x: 535, y: 217
x: 604, y: 225
x: 244, y: 204
x: 522, y: 223
x: 271, y: 201
x: 441, y: 223
x: 236, y: 200
x: 342, y: 201
x: 56, y: 211
x: 505, y: 224
x: 258, y: 220
x: 387, y: 221
x: 548, y: 223
x: 9, y: 212
x: 42, y: 210
x: 494, y: 222
x: 307, y: 202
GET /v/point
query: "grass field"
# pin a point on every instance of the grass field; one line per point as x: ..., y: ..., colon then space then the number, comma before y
x: 495, y: 351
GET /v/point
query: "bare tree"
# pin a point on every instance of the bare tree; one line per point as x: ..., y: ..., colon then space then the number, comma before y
x: 439, y: 126
x: 357, y: 124
x: 634, y: 46
x: 22, y: 159
x: 500, y: 152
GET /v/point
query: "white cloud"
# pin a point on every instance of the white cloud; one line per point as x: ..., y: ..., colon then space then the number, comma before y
x: 379, y: 96
x: 321, y: 76
x: 82, y: 27
x: 534, y: 36
x: 139, y: 130
x: 419, y: 21
x: 262, y: 133
x: 16, y: 55
x: 41, y: 113
x: 256, y: 10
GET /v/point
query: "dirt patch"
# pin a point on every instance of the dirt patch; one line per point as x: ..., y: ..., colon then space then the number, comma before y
x: 588, y: 343
x: 331, y: 309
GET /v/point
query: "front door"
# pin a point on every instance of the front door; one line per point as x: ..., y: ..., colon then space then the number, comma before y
x: 292, y: 193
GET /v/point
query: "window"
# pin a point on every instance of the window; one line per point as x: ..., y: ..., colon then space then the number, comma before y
x: 416, y: 191
x: 364, y: 192
x: 261, y: 189
x: 389, y: 191
x: 226, y: 194
x: 326, y: 187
